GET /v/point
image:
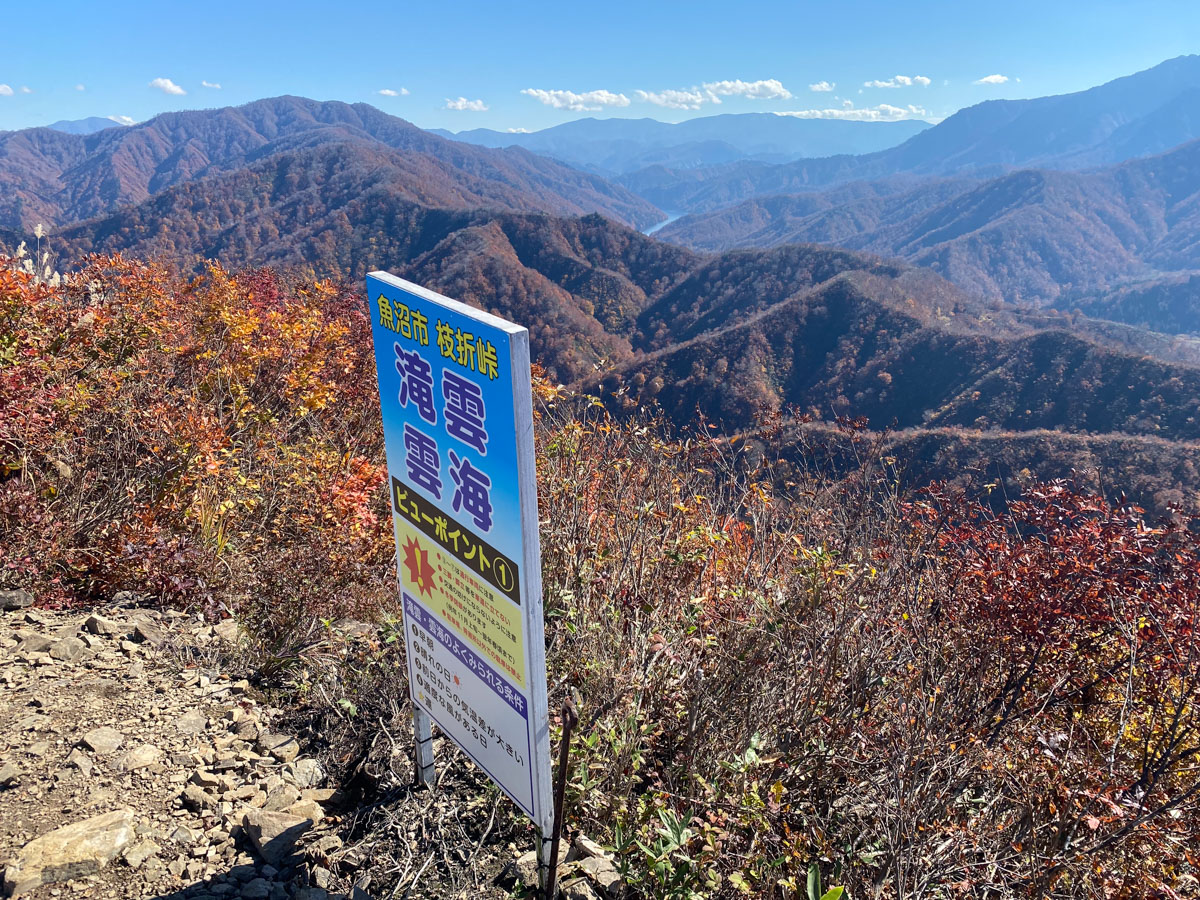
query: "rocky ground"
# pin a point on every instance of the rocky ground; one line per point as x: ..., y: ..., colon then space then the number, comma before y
x: 132, y: 766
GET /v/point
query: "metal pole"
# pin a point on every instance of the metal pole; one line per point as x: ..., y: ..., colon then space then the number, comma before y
x: 423, y: 737
x: 570, y: 719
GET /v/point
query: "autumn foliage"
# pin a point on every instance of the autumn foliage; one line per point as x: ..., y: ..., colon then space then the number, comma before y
x: 211, y: 441
x: 907, y: 696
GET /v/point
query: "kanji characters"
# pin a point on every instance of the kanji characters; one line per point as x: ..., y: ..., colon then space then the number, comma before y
x: 420, y: 332
x: 445, y: 339
x: 472, y: 492
x: 410, y: 323
x: 416, y: 382
x: 422, y: 460
x: 386, y: 316
x: 486, y: 356
x: 464, y: 411
x: 464, y: 349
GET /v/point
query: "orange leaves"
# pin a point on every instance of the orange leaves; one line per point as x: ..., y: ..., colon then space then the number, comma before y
x: 207, y: 418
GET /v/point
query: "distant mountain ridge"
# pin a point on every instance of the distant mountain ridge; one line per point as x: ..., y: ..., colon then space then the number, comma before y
x: 616, y: 146
x: 1138, y: 115
x: 1028, y: 236
x: 90, y: 125
x: 55, y: 178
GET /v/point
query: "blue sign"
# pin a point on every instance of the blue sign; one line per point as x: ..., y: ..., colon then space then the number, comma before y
x: 455, y: 392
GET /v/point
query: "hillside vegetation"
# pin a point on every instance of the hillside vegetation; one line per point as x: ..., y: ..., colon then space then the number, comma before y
x: 56, y: 179
x: 1026, y: 237
x: 904, y: 695
x: 795, y: 330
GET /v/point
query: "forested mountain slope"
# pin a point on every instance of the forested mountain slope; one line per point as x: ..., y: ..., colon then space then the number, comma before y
x: 1030, y: 236
x: 55, y: 178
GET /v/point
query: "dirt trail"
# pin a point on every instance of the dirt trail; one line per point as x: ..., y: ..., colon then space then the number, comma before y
x: 125, y: 774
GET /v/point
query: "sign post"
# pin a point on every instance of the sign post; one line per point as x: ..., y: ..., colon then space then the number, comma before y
x: 455, y: 391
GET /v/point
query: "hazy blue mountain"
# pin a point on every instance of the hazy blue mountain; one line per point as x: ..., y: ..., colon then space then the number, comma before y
x: 90, y: 125
x: 616, y: 146
x: 1137, y: 115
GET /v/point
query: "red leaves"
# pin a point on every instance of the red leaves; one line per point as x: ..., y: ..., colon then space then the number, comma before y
x: 189, y: 433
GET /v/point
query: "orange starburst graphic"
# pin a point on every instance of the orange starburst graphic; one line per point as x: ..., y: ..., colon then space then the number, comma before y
x: 420, y: 572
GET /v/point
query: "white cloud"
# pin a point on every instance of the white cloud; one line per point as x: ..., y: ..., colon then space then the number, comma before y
x: 884, y: 112
x: 462, y: 103
x: 79, y: 87
x: 765, y: 89
x: 587, y: 101
x: 167, y: 86
x: 672, y: 99
x: 123, y: 120
x: 713, y: 91
x: 992, y: 79
x: 898, y: 81
x: 5, y: 90
x: 26, y: 89
x: 518, y: 131
x: 211, y: 84
x: 822, y: 86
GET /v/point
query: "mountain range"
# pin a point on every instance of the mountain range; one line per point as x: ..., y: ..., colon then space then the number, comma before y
x: 1029, y: 236
x: 1042, y: 313
x: 1138, y: 115
x: 90, y: 125
x: 618, y: 146
x: 54, y: 178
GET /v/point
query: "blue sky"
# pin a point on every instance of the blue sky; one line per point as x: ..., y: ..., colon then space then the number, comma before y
x: 466, y: 65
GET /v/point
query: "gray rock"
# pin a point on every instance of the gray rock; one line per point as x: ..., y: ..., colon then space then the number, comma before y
x: 69, y: 649
x: 579, y: 889
x: 603, y: 872
x: 139, y: 757
x: 281, y: 746
x: 11, y: 600
x: 73, y: 851
x: 306, y: 773
x: 33, y: 642
x: 35, y: 722
x: 308, y: 809
x: 198, y: 799
x: 147, y: 631
x: 521, y: 871
x: 311, y: 893
x: 9, y: 775
x: 185, y: 835
x: 96, y: 624
x: 587, y: 848
x: 258, y: 889
x: 80, y: 760
x: 140, y: 852
x: 273, y: 834
x: 206, y: 780
x: 282, y: 797
x: 191, y: 722
x: 103, y: 740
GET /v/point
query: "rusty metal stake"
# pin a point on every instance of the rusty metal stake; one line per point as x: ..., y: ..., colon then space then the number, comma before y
x: 570, y: 718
